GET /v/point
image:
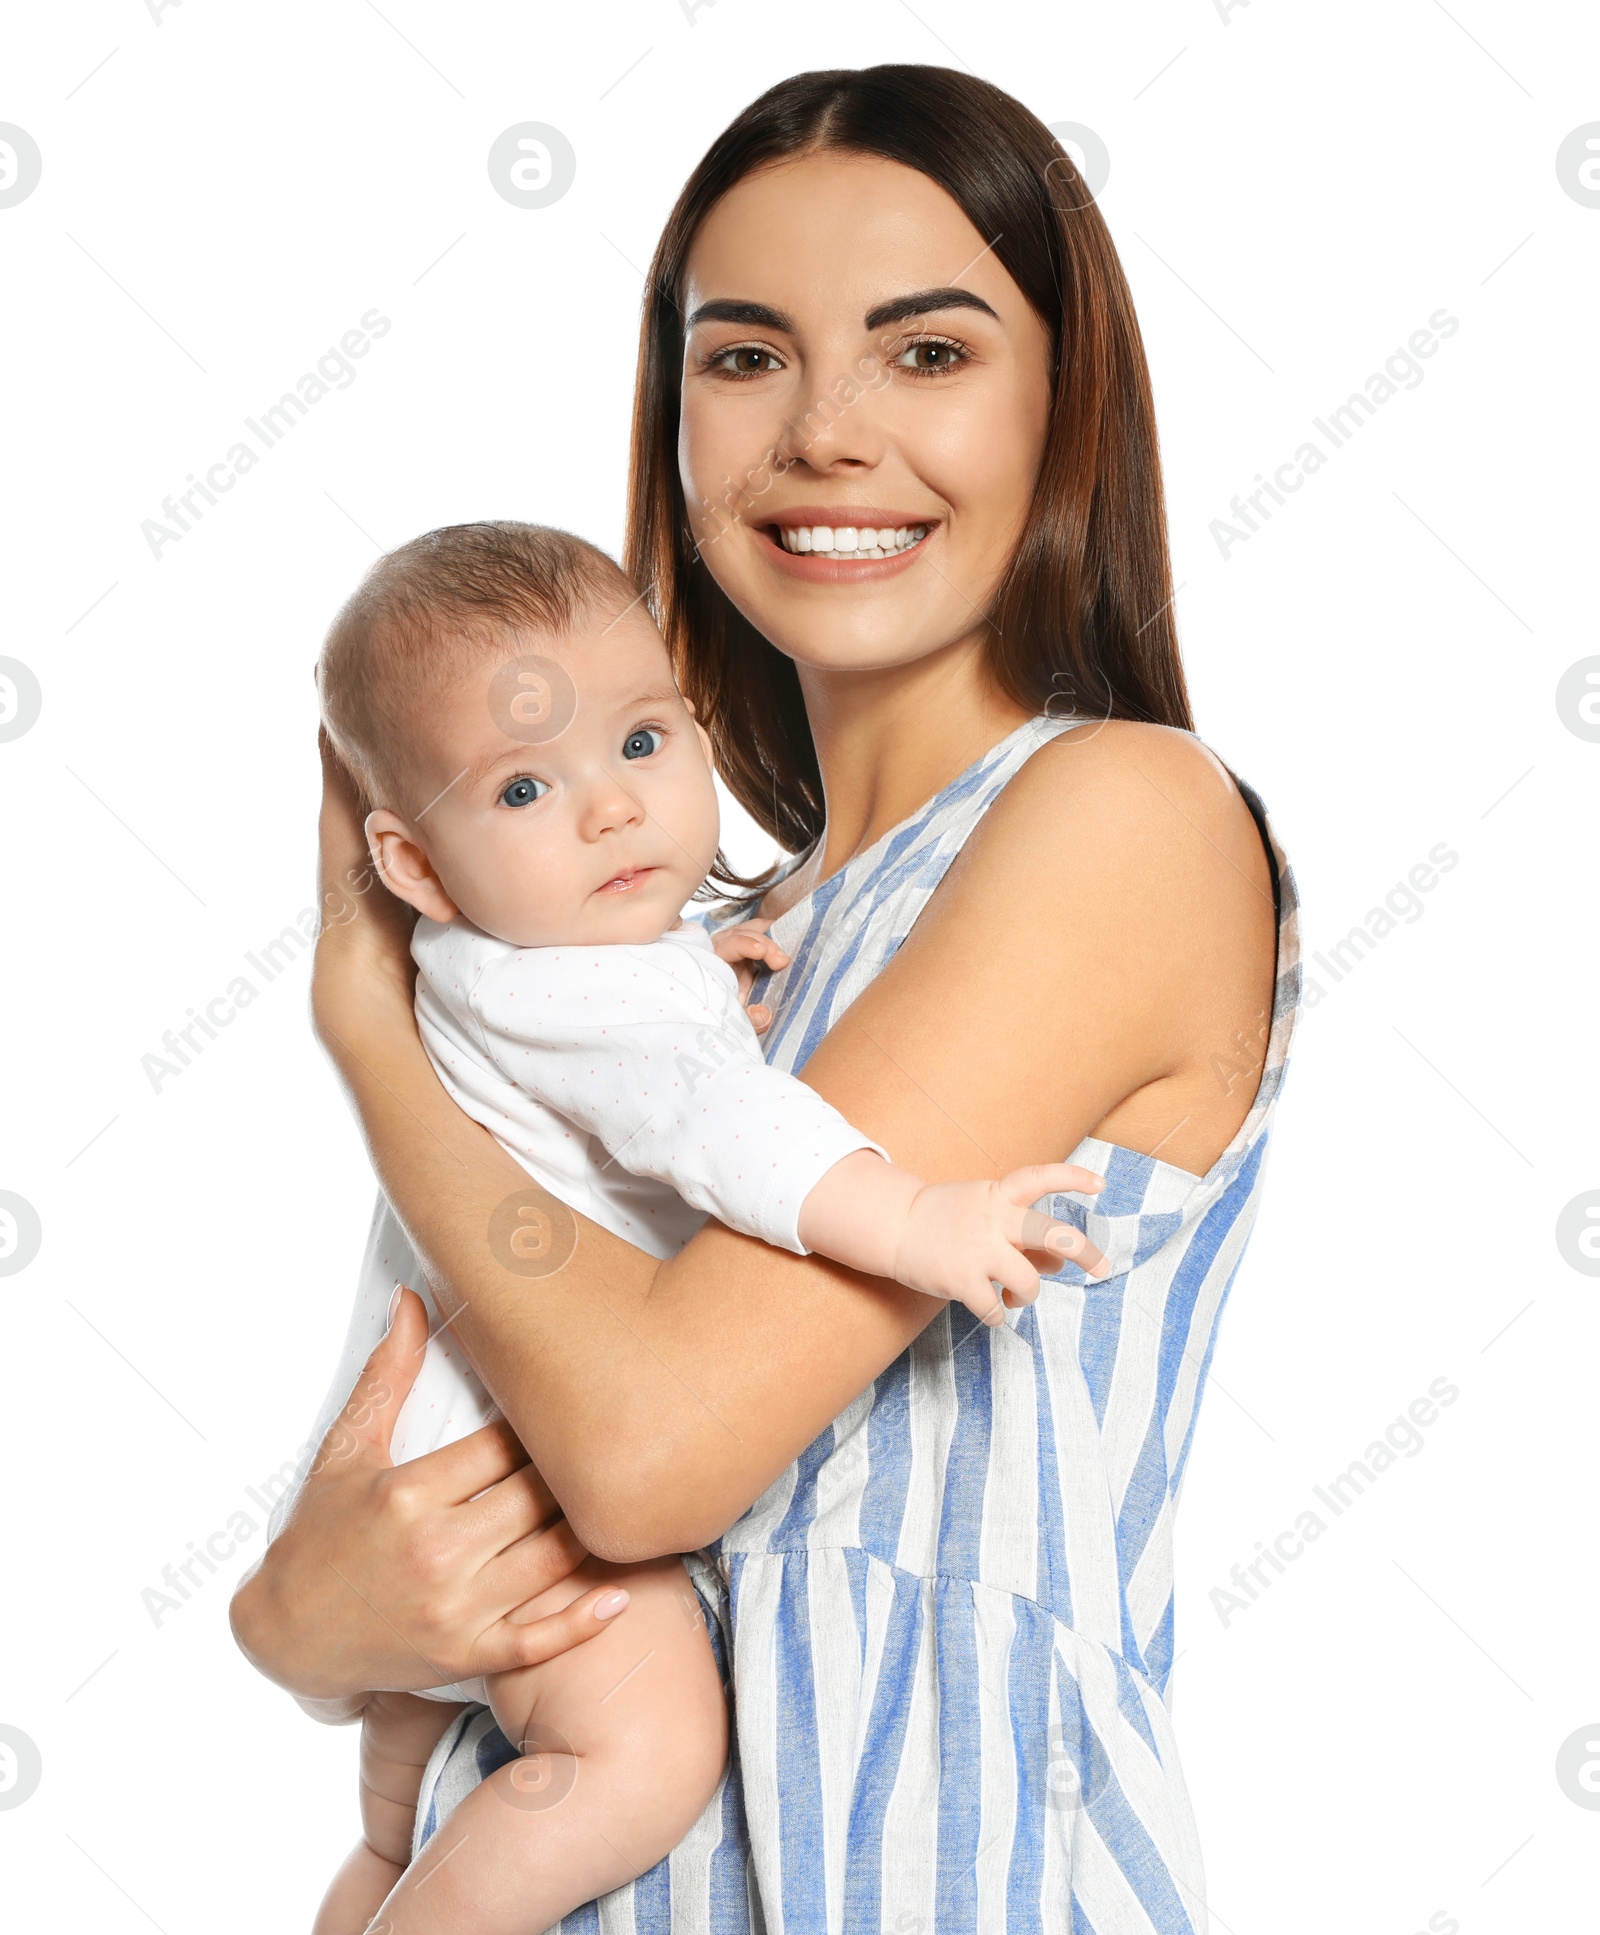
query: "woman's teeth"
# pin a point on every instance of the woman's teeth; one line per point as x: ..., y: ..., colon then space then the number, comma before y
x: 846, y: 540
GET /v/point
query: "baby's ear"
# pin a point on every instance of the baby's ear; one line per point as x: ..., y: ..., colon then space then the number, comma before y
x: 404, y: 866
x: 701, y: 734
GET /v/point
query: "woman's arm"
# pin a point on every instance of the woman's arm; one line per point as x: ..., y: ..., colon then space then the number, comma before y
x: 1107, y: 931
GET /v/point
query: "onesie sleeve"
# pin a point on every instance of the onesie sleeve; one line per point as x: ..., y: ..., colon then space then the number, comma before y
x: 649, y: 1050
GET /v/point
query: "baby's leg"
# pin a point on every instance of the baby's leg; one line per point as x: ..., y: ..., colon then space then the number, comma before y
x: 398, y: 1733
x: 623, y: 1739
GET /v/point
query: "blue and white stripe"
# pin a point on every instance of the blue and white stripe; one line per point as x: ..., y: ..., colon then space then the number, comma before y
x: 948, y: 1627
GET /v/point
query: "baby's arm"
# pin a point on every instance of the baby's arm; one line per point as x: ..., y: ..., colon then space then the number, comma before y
x: 952, y: 1240
x: 647, y: 1049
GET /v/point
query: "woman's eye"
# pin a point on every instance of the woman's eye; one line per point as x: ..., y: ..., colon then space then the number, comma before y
x: 523, y: 792
x: 931, y: 357
x: 745, y: 359
x: 644, y: 742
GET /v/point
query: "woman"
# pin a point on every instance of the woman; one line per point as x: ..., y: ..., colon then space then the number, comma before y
x: 1031, y: 914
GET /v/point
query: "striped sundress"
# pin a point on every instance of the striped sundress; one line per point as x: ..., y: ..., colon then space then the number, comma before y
x: 948, y: 1627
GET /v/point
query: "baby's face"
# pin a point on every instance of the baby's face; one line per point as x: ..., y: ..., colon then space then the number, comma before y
x: 575, y: 803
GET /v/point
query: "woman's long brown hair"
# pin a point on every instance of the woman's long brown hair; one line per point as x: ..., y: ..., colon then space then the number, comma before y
x: 1082, y: 620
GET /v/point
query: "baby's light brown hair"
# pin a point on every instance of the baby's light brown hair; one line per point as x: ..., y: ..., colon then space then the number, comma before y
x: 431, y: 609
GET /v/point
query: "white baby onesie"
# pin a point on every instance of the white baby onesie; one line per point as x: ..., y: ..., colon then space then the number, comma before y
x: 629, y: 1082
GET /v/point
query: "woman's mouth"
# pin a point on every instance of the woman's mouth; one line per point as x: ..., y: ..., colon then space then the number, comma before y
x: 849, y: 540
x: 862, y: 543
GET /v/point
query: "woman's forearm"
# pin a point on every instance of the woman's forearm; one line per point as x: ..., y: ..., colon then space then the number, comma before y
x: 658, y: 1400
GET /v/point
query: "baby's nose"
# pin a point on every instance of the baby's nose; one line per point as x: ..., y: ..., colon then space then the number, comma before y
x: 609, y: 805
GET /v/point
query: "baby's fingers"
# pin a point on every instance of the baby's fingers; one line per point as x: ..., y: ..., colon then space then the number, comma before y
x: 738, y: 949
x: 1039, y: 1232
x: 1015, y: 1275
x: 1024, y: 1186
x: 763, y: 948
x: 985, y: 1303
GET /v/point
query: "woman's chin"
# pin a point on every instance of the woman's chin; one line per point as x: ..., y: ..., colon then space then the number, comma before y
x: 876, y: 625
x: 886, y: 644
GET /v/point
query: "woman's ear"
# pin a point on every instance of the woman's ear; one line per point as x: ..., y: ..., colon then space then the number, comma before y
x: 405, y: 868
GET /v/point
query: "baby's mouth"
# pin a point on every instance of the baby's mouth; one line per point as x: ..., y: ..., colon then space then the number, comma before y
x: 626, y: 881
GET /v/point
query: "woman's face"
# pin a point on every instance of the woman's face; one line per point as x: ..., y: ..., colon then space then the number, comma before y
x: 856, y: 361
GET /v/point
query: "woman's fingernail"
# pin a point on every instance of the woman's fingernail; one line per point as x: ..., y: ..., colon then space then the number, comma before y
x: 609, y: 1605
x: 394, y: 1305
x: 1065, y: 1242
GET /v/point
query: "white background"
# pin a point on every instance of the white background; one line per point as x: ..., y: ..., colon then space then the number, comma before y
x: 1294, y: 191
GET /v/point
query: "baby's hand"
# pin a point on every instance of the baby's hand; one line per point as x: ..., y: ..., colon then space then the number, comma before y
x: 748, y: 948
x: 961, y: 1239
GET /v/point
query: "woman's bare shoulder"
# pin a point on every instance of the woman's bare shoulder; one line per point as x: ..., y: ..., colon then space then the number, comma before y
x: 1137, y: 812
x: 1116, y: 894
x: 1127, y: 782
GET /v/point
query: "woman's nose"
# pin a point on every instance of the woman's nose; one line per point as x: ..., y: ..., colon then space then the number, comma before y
x: 840, y: 429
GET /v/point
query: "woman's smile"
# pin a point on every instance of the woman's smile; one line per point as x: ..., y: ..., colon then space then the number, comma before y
x: 845, y: 545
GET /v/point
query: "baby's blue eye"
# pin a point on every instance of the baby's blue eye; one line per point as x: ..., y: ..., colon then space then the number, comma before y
x: 523, y: 792
x: 641, y: 744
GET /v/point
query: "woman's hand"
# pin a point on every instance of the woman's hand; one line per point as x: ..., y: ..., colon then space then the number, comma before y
x: 391, y: 1578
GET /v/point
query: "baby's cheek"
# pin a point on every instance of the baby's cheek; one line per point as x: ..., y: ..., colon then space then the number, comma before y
x: 517, y: 889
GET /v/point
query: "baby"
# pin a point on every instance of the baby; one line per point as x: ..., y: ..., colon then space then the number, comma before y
x: 543, y: 797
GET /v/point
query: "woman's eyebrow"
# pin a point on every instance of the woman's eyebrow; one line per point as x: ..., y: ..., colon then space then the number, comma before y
x: 760, y: 315
x: 757, y: 315
x: 903, y: 308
